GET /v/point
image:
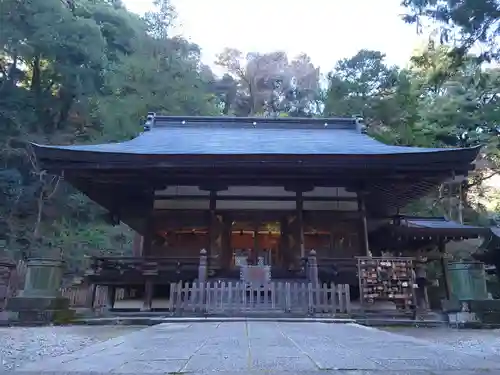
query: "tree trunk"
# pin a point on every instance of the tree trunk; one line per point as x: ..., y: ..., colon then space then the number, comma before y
x: 35, y: 86
x: 67, y: 99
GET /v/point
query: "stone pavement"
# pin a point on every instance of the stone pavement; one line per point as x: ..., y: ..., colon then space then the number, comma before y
x: 242, y: 348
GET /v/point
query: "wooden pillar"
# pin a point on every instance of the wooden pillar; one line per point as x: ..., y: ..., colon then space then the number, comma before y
x: 255, y: 253
x: 215, y: 233
x: 111, y: 296
x: 331, y: 244
x: 444, y: 269
x: 91, y: 296
x: 365, y: 246
x: 137, y: 245
x: 300, y: 219
x: 148, y: 295
x: 149, y: 229
x: 147, y: 252
x: 227, y: 224
x: 284, y: 243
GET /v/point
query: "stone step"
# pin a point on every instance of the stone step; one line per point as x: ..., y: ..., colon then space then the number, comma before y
x: 401, y: 323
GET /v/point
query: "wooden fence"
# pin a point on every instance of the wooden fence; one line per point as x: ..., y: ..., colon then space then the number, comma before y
x: 238, y: 297
x: 79, y: 296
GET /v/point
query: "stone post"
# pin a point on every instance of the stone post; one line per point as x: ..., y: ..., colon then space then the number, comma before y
x: 312, y: 265
x: 202, y: 268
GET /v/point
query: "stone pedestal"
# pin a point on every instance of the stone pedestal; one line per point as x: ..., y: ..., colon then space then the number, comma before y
x: 6, y: 269
x: 40, y: 300
x: 472, y: 313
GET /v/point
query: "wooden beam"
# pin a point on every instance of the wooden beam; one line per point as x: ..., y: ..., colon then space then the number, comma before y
x: 304, y: 187
x: 217, y: 180
x: 260, y: 162
x: 196, y: 216
x: 253, y: 198
x: 215, y: 187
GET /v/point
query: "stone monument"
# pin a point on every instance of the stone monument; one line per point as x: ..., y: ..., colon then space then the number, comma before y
x: 40, y: 299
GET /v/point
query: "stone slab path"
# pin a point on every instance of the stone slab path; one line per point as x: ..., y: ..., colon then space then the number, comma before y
x: 243, y: 348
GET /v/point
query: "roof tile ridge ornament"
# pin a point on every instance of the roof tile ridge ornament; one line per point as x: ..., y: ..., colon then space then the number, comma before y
x: 150, y: 121
x: 360, y: 125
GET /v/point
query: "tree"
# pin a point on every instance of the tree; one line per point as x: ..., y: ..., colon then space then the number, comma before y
x: 461, y: 23
x: 83, y: 71
x: 269, y: 83
x: 433, y: 103
x: 363, y: 86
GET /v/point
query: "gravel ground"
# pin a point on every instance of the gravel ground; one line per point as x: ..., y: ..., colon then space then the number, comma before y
x: 475, y: 341
x: 22, y: 345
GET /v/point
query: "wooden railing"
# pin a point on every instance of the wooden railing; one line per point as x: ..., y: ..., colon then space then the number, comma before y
x: 79, y: 296
x: 337, y: 262
x: 142, y: 265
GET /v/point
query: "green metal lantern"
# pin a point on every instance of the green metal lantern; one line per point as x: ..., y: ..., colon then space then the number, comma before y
x: 467, y: 280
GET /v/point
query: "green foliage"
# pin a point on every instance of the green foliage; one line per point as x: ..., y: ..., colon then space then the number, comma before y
x: 64, y: 317
x: 89, y: 71
x: 432, y: 103
x: 84, y: 72
x: 464, y: 24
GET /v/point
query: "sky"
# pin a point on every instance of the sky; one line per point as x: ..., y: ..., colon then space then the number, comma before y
x: 327, y: 30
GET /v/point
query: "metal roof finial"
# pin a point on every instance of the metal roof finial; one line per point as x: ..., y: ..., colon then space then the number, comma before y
x: 360, y: 126
x: 150, y: 121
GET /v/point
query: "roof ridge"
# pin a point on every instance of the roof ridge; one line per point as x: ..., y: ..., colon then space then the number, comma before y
x: 346, y: 123
x: 428, y: 218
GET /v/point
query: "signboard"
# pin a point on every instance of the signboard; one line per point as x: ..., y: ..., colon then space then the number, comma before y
x: 256, y: 275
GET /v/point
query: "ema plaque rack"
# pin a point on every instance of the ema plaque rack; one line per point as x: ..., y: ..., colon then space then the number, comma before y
x: 386, y: 279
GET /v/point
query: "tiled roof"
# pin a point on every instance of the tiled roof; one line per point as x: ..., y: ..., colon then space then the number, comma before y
x: 495, y: 231
x: 227, y: 136
x: 440, y: 224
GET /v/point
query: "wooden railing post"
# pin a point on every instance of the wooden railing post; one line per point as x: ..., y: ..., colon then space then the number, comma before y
x: 312, y: 265
x: 202, y: 268
x: 347, y: 298
x: 90, y: 297
x: 288, y: 295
